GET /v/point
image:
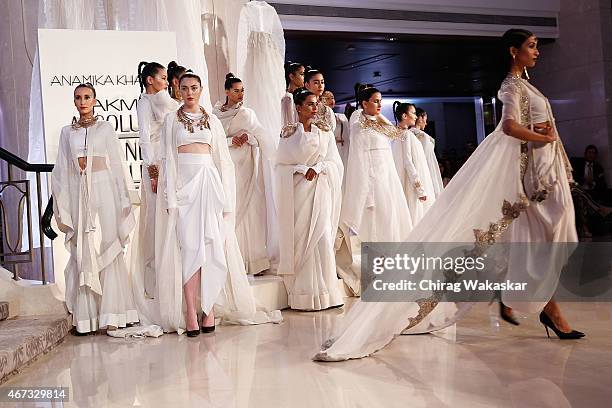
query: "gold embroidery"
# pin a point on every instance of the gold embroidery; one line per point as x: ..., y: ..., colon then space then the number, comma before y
x: 289, y: 130
x: 510, y: 212
x: 524, y: 158
x: 322, y: 119
x: 484, y: 239
x: 387, y: 129
x: 417, y: 185
x: 510, y: 85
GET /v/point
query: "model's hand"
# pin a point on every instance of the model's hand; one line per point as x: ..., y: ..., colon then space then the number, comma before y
x: 239, y: 140
x: 548, y: 133
x: 310, y: 174
x: 154, y: 185
x: 423, y: 198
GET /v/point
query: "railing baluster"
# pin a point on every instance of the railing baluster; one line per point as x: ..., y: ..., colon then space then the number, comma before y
x: 41, y: 236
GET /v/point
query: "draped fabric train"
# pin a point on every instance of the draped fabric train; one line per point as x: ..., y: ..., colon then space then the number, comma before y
x: 484, y: 203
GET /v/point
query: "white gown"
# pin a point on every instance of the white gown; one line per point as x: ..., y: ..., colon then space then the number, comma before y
x: 250, y: 197
x: 151, y: 110
x: 374, y: 206
x: 411, y: 166
x: 93, y: 209
x: 261, y: 54
x: 428, y: 143
x: 485, y: 203
x: 198, y: 191
x: 309, y: 212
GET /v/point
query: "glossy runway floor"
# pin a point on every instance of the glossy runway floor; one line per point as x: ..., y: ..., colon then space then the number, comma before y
x: 269, y: 366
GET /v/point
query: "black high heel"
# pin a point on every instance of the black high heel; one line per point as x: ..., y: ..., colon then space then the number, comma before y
x: 547, y: 322
x: 506, y: 316
x: 195, y: 332
x: 208, y: 329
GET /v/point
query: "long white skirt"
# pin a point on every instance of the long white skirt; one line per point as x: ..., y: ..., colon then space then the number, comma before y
x: 314, y: 286
x: 200, y: 232
x: 115, y: 307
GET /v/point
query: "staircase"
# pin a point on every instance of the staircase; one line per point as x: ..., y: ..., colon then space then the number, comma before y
x: 32, y: 322
x: 4, y: 311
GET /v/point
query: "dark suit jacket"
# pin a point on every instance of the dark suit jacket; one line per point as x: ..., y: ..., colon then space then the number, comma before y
x: 578, y: 164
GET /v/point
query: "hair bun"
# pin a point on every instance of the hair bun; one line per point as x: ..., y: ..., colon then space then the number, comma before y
x: 229, y: 75
x: 172, y: 64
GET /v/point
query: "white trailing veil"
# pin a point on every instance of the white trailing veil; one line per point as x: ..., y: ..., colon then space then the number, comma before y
x: 261, y: 54
x: 485, y: 202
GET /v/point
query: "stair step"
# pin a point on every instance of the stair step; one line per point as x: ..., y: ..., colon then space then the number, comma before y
x: 23, y: 339
x: 4, y: 310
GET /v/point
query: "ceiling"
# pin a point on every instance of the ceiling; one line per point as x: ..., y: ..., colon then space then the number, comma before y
x: 400, y: 65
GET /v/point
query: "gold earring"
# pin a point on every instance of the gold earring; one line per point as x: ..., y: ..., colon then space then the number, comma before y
x: 526, y: 73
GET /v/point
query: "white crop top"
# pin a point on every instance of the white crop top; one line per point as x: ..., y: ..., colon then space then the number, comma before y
x: 77, y: 142
x: 539, y: 111
x: 185, y: 137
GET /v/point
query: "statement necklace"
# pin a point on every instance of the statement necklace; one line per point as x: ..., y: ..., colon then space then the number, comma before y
x: 84, y: 122
x: 189, y: 123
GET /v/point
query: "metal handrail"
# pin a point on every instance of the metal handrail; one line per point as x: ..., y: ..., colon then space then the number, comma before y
x: 44, y: 223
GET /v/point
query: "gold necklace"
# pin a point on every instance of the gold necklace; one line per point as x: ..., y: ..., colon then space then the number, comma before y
x: 202, y: 123
x: 225, y: 107
x: 84, y: 122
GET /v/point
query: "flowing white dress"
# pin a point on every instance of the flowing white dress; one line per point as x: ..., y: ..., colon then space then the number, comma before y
x: 261, y: 54
x: 93, y: 209
x: 309, y: 212
x: 428, y: 143
x: 198, y: 192
x: 411, y: 166
x: 151, y: 110
x: 250, y: 197
x: 374, y: 207
x: 494, y: 197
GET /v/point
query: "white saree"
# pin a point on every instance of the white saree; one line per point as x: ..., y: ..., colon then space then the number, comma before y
x: 250, y: 197
x: 491, y: 199
x: 198, y: 191
x: 93, y: 209
x: 308, y: 214
x: 411, y: 166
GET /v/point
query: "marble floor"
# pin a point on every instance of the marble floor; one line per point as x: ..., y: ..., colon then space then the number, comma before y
x: 480, y: 364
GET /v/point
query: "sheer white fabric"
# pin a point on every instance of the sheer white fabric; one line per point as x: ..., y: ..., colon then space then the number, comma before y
x: 473, y: 200
x: 308, y: 214
x: 412, y: 169
x: 428, y: 144
x: 288, y: 113
x: 93, y: 209
x: 235, y: 303
x: 250, y: 198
